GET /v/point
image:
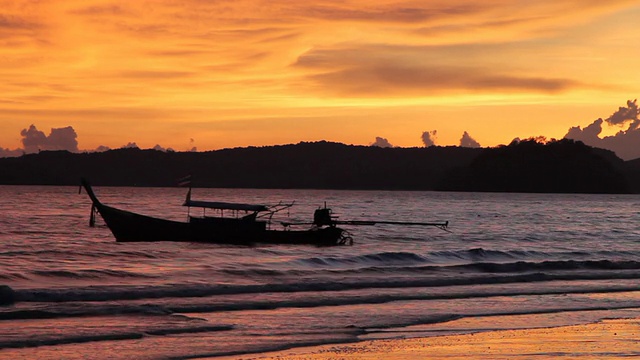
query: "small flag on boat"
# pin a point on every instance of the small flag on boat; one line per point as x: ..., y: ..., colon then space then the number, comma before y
x: 188, y: 199
x: 185, y: 181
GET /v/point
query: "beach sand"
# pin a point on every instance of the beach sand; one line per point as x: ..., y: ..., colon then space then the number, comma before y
x: 607, y: 339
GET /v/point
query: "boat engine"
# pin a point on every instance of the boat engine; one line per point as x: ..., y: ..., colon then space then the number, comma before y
x: 322, y: 217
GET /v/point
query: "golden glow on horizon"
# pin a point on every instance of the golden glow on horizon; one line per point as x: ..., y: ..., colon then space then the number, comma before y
x: 257, y: 73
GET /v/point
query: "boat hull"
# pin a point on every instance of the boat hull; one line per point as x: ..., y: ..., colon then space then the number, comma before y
x: 128, y: 226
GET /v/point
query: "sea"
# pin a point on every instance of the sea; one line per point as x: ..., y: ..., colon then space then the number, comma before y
x: 507, y: 261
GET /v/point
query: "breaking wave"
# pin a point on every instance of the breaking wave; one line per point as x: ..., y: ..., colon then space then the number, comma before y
x: 190, y: 306
x: 111, y: 293
x: 78, y: 339
x: 460, y: 256
x: 416, y: 267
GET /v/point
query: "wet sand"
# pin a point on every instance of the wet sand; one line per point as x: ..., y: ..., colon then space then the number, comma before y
x: 608, y: 339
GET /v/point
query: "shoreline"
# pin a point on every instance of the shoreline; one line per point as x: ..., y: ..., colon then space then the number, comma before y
x: 610, y: 338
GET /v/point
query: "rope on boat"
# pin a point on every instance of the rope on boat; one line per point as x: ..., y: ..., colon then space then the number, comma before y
x: 345, y: 238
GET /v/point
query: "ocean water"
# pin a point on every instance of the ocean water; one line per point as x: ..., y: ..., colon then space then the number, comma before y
x: 509, y: 261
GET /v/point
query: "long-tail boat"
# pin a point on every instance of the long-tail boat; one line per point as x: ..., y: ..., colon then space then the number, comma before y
x: 252, y: 228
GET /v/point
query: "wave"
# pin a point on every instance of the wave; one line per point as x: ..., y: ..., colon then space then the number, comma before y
x: 81, y: 254
x: 68, y: 340
x: 84, y: 310
x: 374, y: 299
x: 189, y: 330
x: 382, y: 328
x: 333, y: 300
x: 265, y: 272
x: 7, y: 295
x: 389, y: 258
x: 90, y: 274
x: 478, y: 267
x: 456, y: 256
x: 266, y: 349
x: 12, y: 276
x: 451, y: 317
x: 523, y: 266
x: 113, y: 293
x: 78, y: 339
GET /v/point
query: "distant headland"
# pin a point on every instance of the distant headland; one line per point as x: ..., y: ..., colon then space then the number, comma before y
x: 562, y: 166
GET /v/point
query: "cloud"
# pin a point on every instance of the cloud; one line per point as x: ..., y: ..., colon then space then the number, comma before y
x: 468, y: 141
x: 16, y: 25
x: 625, y: 143
x: 34, y: 140
x: 206, y: 57
x: 160, y: 148
x: 400, y: 80
x: 102, y: 10
x: 155, y: 75
x: 379, y: 71
x: 13, y: 22
x: 393, y: 13
x: 10, y: 153
x: 381, y: 142
x: 429, y: 138
x: 626, y: 114
x: 130, y: 145
x: 588, y: 135
x: 63, y: 139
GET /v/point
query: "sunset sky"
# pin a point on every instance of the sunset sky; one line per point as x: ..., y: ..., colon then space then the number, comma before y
x: 216, y: 74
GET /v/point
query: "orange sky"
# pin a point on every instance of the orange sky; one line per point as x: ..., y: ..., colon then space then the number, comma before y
x: 249, y: 72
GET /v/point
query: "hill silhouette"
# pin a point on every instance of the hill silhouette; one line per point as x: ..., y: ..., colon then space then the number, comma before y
x: 527, y: 166
x: 321, y: 165
x: 563, y: 166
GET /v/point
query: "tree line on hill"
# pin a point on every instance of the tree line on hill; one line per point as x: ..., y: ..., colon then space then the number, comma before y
x: 565, y: 166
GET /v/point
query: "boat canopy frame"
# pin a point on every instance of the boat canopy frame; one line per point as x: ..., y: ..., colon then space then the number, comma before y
x: 259, y: 211
x: 225, y: 205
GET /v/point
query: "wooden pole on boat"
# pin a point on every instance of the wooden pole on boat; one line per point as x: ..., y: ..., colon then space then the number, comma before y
x: 92, y: 217
x: 375, y: 222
